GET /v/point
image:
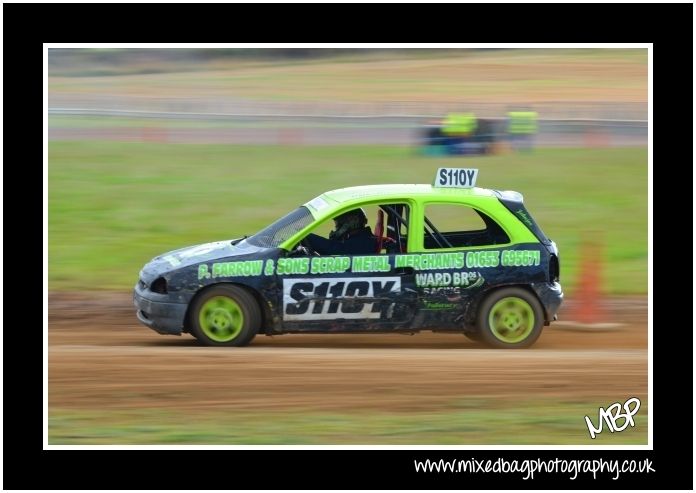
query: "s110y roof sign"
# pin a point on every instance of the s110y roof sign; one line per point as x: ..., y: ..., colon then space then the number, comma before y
x: 456, y: 177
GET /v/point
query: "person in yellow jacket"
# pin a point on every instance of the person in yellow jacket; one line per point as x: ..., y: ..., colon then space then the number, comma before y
x: 522, y: 127
x: 458, y: 127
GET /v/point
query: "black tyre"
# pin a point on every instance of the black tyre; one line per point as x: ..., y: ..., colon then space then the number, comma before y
x: 510, y: 318
x: 225, y: 316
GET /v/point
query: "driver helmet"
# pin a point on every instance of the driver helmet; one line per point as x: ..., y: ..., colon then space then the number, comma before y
x: 347, y: 222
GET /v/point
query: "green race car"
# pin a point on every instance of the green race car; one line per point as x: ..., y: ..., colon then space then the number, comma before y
x: 445, y: 257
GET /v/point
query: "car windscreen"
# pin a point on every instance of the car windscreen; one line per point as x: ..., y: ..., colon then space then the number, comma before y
x: 275, y: 234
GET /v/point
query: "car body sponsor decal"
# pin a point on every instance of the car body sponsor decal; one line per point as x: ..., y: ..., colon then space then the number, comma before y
x: 338, y: 298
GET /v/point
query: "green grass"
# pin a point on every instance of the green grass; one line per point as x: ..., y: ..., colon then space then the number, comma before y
x: 113, y: 206
x: 473, y: 421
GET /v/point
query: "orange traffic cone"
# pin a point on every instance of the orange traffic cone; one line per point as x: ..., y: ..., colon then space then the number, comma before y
x: 587, y: 306
x: 290, y: 136
x: 596, y: 138
x: 154, y: 134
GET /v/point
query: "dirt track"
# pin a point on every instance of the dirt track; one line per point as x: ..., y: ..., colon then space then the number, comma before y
x: 100, y: 357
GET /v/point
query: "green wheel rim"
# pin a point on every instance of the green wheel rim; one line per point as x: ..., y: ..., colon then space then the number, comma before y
x: 221, y: 319
x: 511, y: 320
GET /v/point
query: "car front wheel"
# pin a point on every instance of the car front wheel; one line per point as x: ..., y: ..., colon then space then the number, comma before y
x: 225, y: 316
x: 510, y: 318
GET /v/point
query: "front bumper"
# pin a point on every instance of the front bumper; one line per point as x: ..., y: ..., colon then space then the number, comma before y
x: 157, y: 312
x: 551, y: 296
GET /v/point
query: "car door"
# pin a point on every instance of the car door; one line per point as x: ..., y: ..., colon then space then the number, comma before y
x: 352, y: 292
x: 460, y: 246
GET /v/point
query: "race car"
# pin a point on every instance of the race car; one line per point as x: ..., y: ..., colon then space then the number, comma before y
x: 447, y: 257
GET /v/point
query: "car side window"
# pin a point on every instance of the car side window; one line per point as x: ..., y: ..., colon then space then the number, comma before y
x: 395, y: 221
x: 387, y: 225
x: 458, y: 225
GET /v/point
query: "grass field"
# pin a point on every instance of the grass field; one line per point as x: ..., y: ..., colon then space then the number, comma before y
x: 469, y: 422
x: 113, y: 206
x: 531, y: 75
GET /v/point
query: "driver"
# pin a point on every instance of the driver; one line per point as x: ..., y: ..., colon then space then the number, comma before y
x: 352, y: 236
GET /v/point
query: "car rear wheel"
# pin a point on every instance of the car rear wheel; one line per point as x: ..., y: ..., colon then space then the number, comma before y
x: 225, y: 316
x: 510, y: 318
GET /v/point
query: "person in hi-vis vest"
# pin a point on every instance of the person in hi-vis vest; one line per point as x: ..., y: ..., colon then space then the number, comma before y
x: 458, y: 127
x: 522, y: 127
